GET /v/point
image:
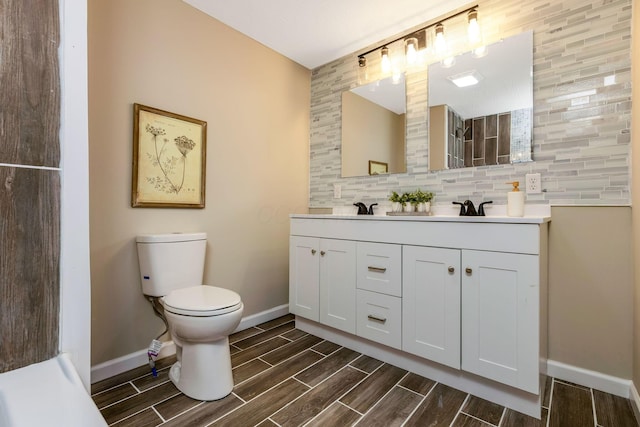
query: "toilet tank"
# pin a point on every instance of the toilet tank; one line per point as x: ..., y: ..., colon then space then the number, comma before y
x: 170, y: 261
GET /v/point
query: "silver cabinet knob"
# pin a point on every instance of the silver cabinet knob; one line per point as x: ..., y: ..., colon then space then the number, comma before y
x: 451, y: 269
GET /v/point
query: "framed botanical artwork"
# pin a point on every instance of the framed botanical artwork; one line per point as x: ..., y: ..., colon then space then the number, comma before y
x: 169, y: 158
x: 378, y: 168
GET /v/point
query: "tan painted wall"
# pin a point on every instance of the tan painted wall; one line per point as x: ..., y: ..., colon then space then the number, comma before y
x: 591, y: 288
x: 635, y: 186
x: 166, y: 54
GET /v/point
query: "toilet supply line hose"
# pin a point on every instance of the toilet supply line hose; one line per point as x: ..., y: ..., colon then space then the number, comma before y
x: 155, y: 302
x: 156, y: 344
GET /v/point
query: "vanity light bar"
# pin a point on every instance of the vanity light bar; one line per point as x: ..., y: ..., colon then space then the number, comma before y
x: 472, y: 14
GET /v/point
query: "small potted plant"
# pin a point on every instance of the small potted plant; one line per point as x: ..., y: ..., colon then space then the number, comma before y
x: 396, y: 202
x: 423, y: 200
x: 407, y: 201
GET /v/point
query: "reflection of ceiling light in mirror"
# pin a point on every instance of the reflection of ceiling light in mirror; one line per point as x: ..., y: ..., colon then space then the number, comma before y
x: 468, y: 78
x: 396, y: 77
x: 385, y: 62
x: 480, y: 51
x: 448, y: 62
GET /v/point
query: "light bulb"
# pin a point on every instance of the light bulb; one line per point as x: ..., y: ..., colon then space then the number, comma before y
x: 411, y: 54
x: 385, y: 62
x: 473, y: 30
x: 362, y: 70
x: 441, y: 43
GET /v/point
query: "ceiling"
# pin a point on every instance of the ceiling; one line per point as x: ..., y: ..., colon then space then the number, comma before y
x: 313, y: 33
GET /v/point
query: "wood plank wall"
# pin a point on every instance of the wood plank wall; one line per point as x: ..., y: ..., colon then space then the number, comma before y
x: 29, y: 196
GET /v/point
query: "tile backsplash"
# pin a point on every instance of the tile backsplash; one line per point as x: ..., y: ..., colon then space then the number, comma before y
x: 581, y: 114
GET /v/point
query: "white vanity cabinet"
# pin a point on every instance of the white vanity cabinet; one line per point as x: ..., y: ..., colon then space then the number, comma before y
x: 322, y: 281
x: 465, y: 295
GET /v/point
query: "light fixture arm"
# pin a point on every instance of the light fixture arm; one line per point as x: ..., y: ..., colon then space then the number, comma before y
x: 454, y: 15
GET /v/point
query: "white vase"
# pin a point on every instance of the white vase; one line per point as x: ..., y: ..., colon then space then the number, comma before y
x: 396, y: 207
x: 407, y: 207
x: 424, y: 207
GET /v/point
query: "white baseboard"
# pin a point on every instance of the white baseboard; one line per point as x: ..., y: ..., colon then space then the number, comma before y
x: 263, y: 316
x: 603, y: 382
x: 133, y: 360
x: 127, y: 362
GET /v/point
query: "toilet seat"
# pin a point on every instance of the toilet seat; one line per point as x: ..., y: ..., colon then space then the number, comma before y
x: 202, y: 301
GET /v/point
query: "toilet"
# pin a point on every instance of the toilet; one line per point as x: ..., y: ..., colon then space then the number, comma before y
x: 200, y: 317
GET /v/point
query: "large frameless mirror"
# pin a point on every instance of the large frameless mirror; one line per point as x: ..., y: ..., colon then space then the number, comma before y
x: 481, y: 106
x: 373, y: 128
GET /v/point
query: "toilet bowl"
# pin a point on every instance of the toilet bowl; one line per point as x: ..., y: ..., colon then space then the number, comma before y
x: 200, y: 320
x: 200, y: 317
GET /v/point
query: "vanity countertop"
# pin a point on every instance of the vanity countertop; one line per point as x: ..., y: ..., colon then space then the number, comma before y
x: 431, y: 218
x: 534, y: 214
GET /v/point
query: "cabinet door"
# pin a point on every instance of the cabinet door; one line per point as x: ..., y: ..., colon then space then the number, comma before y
x: 500, y: 317
x: 338, y: 284
x: 304, y: 277
x: 431, y: 304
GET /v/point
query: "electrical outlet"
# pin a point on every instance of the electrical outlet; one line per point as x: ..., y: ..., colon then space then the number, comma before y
x: 534, y: 185
x: 337, y: 191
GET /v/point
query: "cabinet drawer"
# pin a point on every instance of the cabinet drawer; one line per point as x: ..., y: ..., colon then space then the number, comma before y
x: 379, y: 318
x: 379, y: 268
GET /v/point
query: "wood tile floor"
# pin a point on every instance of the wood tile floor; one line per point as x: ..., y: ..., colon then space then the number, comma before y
x: 286, y: 377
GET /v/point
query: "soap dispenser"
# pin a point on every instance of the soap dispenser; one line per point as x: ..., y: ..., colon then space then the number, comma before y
x: 515, y: 200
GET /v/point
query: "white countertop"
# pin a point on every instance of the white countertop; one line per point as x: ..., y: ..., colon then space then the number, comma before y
x: 534, y: 214
x: 431, y: 218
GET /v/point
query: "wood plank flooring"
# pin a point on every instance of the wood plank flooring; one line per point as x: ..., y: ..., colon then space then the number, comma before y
x: 286, y: 377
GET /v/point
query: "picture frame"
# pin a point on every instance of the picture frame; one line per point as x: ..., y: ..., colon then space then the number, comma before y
x: 169, y: 159
x: 378, y: 168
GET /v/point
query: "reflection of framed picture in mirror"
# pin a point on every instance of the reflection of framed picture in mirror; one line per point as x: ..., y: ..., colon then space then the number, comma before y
x: 377, y: 168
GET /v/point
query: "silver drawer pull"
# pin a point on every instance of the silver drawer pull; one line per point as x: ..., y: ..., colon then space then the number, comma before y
x: 378, y: 269
x: 377, y: 319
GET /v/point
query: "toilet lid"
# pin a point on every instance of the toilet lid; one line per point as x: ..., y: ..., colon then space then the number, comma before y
x: 202, y: 301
